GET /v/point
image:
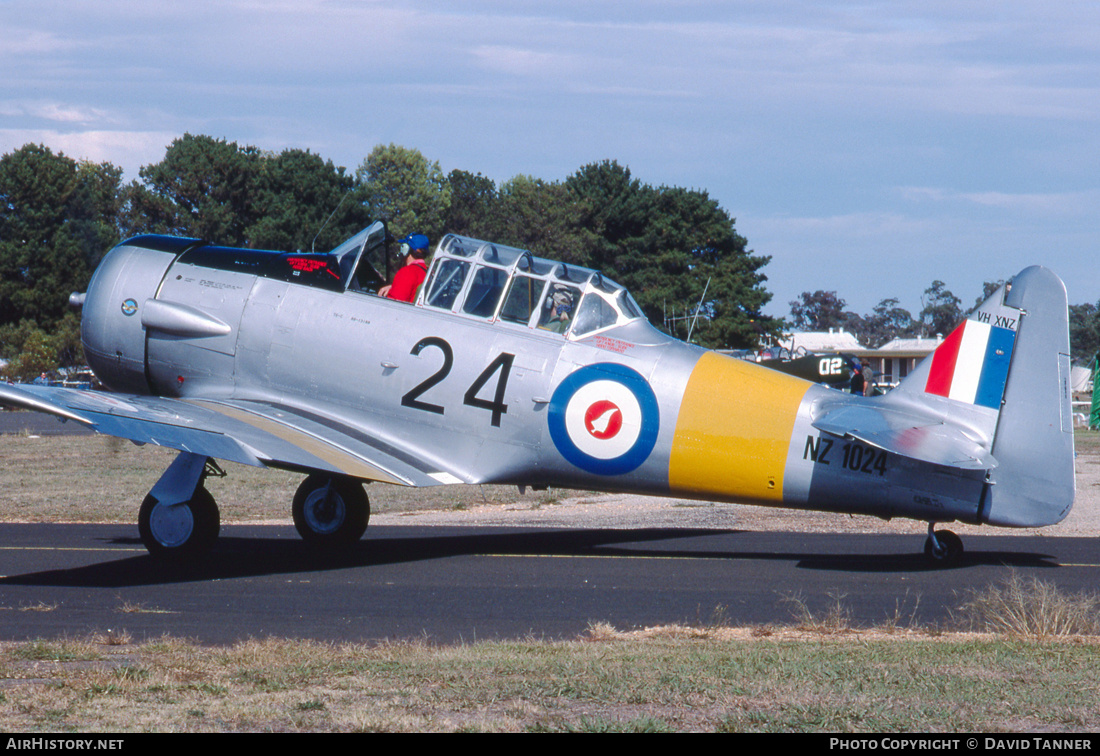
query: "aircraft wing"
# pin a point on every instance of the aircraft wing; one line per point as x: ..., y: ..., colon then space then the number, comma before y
x: 909, y: 434
x: 248, y: 432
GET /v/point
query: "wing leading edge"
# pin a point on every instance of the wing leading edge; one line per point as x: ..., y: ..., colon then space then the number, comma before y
x: 247, y: 432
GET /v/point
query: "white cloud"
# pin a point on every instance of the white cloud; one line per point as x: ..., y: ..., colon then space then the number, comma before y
x: 524, y: 62
x: 862, y: 225
x: 841, y: 136
x: 56, y: 112
x: 129, y: 150
x: 1036, y: 204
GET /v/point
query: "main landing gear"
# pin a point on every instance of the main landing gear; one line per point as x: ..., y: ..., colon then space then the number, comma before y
x: 942, y: 547
x: 179, y: 530
x: 179, y: 518
x: 330, y: 511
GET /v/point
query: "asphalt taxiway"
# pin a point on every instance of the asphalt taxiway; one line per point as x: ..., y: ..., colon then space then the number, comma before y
x: 462, y: 584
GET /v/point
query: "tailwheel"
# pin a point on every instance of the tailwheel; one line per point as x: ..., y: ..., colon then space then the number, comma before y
x: 942, y: 547
x: 331, y: 511
x: 179, y: 530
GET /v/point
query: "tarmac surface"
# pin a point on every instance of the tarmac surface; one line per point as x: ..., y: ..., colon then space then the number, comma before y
x: 38, y: 423
x: 455, y: 584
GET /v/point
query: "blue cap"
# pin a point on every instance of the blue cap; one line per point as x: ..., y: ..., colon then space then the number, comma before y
x: 415, y: 241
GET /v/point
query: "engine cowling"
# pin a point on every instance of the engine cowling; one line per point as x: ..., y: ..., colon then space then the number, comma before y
x: 111, y: 321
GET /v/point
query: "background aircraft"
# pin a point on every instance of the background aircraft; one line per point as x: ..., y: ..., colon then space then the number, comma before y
x: 830, y: 369
x: 510, y: 368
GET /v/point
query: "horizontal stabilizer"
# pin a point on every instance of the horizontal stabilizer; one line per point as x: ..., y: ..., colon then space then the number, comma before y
x: 924, y: 438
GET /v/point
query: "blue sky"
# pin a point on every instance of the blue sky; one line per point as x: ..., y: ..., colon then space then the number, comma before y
x: 868, y: 148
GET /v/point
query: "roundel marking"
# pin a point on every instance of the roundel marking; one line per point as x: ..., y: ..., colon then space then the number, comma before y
x: 604, y: 419
x: 129, y: 307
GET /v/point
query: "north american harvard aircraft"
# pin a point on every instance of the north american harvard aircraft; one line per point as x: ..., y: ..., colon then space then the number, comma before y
x: 290, y: 360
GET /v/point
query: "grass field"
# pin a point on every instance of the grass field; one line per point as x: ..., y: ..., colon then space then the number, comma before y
x: 821, y: 678
x: 102, y: 479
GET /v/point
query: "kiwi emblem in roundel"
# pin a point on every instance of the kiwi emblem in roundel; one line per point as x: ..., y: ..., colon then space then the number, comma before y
x: 604, y: 419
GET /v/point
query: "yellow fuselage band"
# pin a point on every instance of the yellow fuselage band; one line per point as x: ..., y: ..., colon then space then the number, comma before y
x: 733, y: 431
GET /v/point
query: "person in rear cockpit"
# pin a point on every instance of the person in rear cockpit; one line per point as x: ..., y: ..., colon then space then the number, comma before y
x: 560, y: 309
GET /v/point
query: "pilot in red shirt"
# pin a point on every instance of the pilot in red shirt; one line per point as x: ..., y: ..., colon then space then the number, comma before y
x: 406, y: 282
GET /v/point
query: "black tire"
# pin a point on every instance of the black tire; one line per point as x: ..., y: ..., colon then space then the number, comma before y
x: 951, y: 548
x: 331, y: 515
x: 179, y: 531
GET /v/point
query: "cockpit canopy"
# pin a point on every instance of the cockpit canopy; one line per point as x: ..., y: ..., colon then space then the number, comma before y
x: 503, y: 284
x: 468, y: 277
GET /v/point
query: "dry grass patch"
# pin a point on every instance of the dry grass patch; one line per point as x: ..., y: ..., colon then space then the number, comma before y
x: 102, y: 479
x: 1030, y: 608
x: 656, y: 679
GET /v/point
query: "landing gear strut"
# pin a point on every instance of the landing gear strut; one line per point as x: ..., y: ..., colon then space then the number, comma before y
x: 179, y: 518
x: 331, y: 511
x: 942, y: 547
x: 180, y: 530
x: 174, y: 529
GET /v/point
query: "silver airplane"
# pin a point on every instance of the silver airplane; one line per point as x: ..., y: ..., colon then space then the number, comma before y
x: 510, y: 368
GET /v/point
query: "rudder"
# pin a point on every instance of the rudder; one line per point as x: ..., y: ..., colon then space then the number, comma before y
x: 1001, y: 378
x: 1033, y: 484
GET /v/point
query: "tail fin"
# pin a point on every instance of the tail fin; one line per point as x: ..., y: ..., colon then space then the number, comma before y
x: 1003, y: 376
x: 1034, y: 483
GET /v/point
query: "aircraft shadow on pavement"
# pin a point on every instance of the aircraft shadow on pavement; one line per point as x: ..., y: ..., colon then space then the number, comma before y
x: 238, y: 557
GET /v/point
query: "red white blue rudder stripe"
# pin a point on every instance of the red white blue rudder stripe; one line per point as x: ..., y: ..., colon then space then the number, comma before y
x: 972, y: 364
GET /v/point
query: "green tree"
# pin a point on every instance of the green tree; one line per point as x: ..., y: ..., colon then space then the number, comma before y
x: 204, y: 187
x: 886, y: 322
x: 818, y: 311
x: 618, y: 211
x: 302, y: 202
x: 401, y: 187
x: 239, y: 196
x: 988, y: 288
x: 942, y: 310
x: 1084, y: 331
x: 473, y: 204
x: 37, y: 356
x: 13, y: 336
x: 31, y: 351
x: 94, y: 209
x: 65, y: 338
x: 57, y: 218
x: 692, y: 254
x: 542, y: 217
x: 677, y: 251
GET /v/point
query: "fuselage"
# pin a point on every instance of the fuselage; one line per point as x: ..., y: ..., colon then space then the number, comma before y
x: 485, y: 395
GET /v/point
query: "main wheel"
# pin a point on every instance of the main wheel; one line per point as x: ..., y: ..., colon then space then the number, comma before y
x: 950, y: 548
x: 331, y: 511
x: 181, y: 530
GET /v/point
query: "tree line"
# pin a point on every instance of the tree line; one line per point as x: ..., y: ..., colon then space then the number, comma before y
x: 676, y: 249
x: 58, y: 216
x: 941, y: 312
